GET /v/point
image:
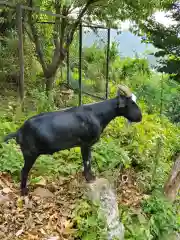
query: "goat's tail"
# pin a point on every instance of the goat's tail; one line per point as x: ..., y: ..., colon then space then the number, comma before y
x: 10, y: 136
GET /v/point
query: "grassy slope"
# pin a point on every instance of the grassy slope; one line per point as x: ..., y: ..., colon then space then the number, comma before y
x: 69, y: 210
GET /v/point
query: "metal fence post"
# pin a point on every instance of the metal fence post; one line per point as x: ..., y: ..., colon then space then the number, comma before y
x: 107, y: 62
x: 21, y: 52
x: 80, y: 64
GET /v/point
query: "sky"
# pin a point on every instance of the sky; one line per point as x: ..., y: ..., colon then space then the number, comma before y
x: 159, y: 16
x: 129, y: 43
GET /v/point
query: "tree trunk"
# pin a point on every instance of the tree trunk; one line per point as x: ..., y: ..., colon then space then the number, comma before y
x: 49, y: 83
x: 172, y: 185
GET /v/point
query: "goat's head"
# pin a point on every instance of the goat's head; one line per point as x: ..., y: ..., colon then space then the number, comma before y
x: 127, y: 106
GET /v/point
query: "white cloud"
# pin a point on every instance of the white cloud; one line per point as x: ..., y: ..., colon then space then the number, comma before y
x: 160, y: 17
x: 125, y: 25
x: 163, y: 19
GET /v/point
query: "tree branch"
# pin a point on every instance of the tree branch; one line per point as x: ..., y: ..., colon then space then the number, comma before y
x: 28, y: 33
x: 59, y: 54
x: 83, y: 11
x: 59, y: 51
x: 57, y: 23
x: 36, y: 39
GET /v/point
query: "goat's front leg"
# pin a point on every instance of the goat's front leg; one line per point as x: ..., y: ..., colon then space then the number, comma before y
x: 86, y: 156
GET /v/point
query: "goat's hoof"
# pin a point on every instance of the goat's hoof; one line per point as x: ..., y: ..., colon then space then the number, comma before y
x: 90, y: 178
x: 24, y: 192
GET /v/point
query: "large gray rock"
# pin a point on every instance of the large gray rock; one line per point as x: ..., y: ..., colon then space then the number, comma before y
x: 101, y: 191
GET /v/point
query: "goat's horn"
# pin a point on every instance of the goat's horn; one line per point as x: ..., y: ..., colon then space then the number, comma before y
x: 125, y: 90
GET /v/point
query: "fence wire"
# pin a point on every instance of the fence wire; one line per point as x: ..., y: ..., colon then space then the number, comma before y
x: 85, y: 67
x: 94, y: 60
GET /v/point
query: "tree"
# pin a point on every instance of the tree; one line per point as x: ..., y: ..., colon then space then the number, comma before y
x: 7, y: 22
x: 89, y: 10
x: 166, y: 40
x: 64, y: 29
x: 172, y: 185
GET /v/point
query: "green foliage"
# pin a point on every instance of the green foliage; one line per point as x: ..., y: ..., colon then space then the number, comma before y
x: 157, y: 92
x: 125, y: 144
x: 9, y: 63
x: 11, y: 159
x: 93, y: 54
x: 60, y: 164
x: 43, y: 103
x: 90, y: 225
x: 131, y: 67
x: 49, y: 39
x: 111, y: 157
x: 132, y: 146
x: 167, y: 41
x: 155, y: 220
x: 161, y: 215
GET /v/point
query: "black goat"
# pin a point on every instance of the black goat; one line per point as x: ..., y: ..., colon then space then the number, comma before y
x: 80, y: 126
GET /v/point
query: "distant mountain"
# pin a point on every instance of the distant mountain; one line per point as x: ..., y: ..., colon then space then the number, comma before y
x: 129, y: 44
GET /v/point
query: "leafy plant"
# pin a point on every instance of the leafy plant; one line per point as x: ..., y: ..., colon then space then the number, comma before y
x: 11, y: 159
x: 162, y: 216
x: 90, y: 225
x: 111, y: 157
x: 42, y: 102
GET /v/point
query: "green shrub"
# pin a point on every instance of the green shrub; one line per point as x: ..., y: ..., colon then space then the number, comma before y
x: 11, y: 159
x: 162, y: 218
x: 148, y: 146
x: 155, y: 220
x: 88, y: 222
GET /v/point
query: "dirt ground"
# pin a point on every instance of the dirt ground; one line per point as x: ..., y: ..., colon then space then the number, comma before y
x: 46, y: 214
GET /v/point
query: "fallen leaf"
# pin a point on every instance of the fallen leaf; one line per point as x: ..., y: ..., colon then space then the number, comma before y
x: 32, y: 237
x: 52, y: 238
x: 19, y: 232
x: 3, y: 199
x: 68, y: 224
x: 28, y: 203
x: 42, y: 231
x: 2, y: 184
x: 6, y: 190
x: 42, y: 192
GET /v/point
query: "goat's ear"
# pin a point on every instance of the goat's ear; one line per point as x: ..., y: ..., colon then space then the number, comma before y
x: 121, y: 100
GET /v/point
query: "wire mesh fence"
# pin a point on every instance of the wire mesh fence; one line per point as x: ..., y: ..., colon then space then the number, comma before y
x: 94, y: 54
x: 37, y: 34
x: 88, y: 61
x: 73, y: 64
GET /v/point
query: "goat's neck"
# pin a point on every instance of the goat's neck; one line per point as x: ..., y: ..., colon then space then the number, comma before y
x: 107, y: 111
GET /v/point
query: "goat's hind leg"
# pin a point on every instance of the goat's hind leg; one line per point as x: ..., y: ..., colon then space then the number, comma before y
x: 29, y: 160
x: 86, y: 155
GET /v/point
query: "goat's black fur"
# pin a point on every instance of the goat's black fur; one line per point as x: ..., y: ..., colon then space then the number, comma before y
x: 82, y: 126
